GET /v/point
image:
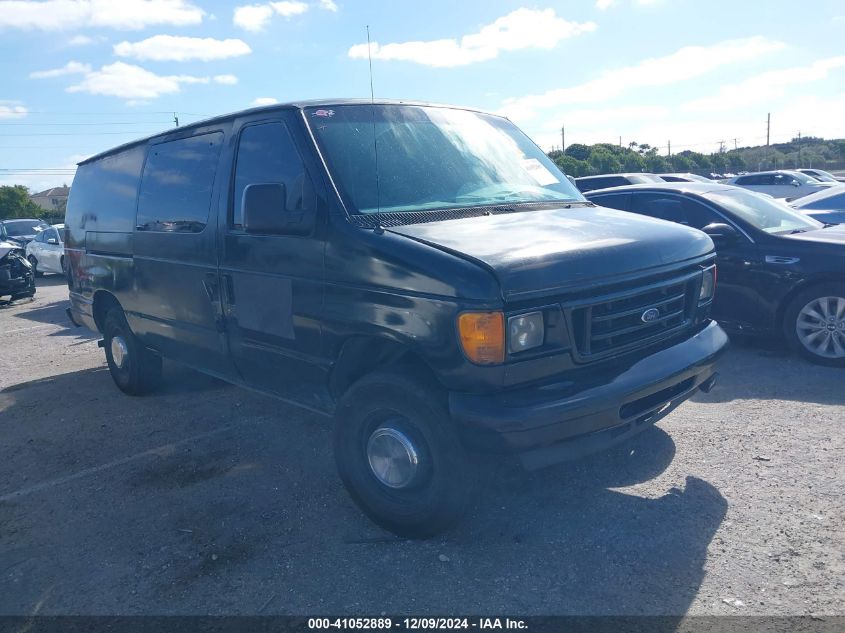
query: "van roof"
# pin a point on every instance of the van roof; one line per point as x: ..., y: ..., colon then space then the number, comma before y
x: 292, y: 105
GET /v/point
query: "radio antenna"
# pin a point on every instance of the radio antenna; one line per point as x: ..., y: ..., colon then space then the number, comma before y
x: 375, y: 142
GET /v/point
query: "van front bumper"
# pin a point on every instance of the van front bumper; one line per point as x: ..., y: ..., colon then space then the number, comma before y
x: 555, y: 422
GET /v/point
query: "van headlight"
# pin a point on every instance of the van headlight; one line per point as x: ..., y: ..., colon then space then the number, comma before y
x: 708, y: 285
x: 525, y: 331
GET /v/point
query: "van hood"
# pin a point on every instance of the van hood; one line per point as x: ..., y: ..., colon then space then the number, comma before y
x: 534, y: 253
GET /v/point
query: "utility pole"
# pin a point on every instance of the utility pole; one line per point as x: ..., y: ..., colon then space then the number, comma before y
x: 620, y: 141
x: 721, y: 147
x: 176, y: 119
x: 670, y: 149
x: 735, y: 144
x: 562, y: 139
x: 799, y: 149
x: 768, y: 127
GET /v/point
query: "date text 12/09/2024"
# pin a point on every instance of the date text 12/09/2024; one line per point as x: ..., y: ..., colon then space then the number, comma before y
x: 384, y: 623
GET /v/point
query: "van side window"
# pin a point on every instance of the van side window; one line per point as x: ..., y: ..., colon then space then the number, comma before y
x: 267, y: 154
x: 177, y: 183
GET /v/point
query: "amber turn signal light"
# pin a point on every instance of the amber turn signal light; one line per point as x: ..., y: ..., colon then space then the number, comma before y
x: 483, y: 336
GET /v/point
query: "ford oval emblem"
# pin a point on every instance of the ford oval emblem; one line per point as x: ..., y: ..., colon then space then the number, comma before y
x: 652, y: 314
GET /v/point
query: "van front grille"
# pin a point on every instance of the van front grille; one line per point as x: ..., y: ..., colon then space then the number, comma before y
x: 615, y: 323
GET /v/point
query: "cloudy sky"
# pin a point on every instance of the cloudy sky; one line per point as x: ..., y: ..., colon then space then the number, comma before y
x: 80, y: 76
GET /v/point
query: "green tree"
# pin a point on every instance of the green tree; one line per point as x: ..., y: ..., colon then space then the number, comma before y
x: 603, y: 161
x: 15, y: 203
x: 572, y: 166
x: 578, y: 151
x: 631, y: 161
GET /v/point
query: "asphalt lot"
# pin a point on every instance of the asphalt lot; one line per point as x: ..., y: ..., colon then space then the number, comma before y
x: 207, y: 499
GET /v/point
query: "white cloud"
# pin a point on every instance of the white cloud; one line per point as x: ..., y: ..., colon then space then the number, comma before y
x: 80, y: 40
x: 682, y: 65
x: 328, y: 5
x: 226, y: 80
x: 765, y: 87
x: 288, y: 9
x: 137, y: 84
x: 181, y: 48
x: 520, y: 29
x: 604, y: 5
x: 12, y: 110
x: 264, y: 101
x: 254, y: 17
x: 57, y: 15
x: 71, y: 68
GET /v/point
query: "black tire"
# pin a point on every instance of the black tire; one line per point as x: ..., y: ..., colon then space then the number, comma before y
x: 138, y: 371
x: 63, y: 265
x: 445, y: 479
x: 34, y: 263
x: 791, y: 325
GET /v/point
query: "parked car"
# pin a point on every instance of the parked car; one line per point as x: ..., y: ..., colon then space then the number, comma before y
x: 21, y: 230
x: 820, y: 174
x: 588, y: 183
x: 46, y: 252
x: 456, y: 294
x: 780, y: 272
x: 17, y: 279
x: 684, y: 178
x: 779, y: 184
x: 826, y: 206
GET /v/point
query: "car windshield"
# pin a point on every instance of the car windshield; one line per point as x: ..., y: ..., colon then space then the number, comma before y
x: 823, y: 176
x: 16, y: 228
x: 766, y: 214
x: 396, y: 158
x: 831, y: 198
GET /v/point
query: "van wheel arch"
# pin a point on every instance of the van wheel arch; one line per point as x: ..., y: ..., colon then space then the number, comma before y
x: 362, y: 355
x: 103, y: 302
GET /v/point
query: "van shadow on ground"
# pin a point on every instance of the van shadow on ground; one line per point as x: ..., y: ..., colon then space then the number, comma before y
x: 224, y: 523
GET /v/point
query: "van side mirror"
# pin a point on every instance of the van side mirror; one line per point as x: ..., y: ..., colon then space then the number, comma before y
x: 722, y: 234
x: 796, y: 183
x: 265, y: 211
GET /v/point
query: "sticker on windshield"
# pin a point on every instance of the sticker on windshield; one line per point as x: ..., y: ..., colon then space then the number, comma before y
x: 324, y: 113
x: 538, y: 172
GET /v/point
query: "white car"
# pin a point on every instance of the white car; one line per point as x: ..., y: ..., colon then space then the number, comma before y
x: 780, y: 184
x: 46, y: 252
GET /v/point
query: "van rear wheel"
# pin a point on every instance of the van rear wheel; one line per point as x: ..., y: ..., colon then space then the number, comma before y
x: 399, y: 456
x: 134, y: 369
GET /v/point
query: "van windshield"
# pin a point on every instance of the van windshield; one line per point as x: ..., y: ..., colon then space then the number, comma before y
x: 432, y: 158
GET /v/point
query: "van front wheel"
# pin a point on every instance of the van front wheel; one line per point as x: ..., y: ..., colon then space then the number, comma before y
x: 134, y: 369
x: 400, y: 457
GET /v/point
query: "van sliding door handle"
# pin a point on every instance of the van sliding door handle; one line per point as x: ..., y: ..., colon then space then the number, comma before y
x: 229, y: 288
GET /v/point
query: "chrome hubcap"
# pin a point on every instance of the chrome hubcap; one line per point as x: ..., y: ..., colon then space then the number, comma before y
x: 119, y: 351
x: 393, y: 458
x: 821, y: 327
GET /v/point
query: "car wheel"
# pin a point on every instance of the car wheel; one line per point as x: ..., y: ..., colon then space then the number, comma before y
x: 64, y: 266
x: 814, y: 324
x: 134, y: 369
x: 34, y: 263
x: 399, y: 456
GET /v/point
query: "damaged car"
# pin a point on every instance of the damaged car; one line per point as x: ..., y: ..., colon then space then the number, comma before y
x: 17, y: 278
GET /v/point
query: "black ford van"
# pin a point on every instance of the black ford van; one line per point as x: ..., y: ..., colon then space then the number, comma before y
x: 423, y: 273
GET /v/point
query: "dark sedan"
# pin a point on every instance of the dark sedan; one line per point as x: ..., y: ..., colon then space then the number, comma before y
x: 779, y: 272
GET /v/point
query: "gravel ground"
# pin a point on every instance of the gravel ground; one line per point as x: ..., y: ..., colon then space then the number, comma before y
x: 207, y: 499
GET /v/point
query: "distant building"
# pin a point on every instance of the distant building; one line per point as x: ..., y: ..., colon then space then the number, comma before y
x: 54, y: 199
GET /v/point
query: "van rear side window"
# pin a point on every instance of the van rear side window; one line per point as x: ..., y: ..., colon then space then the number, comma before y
x: 177, y: 183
